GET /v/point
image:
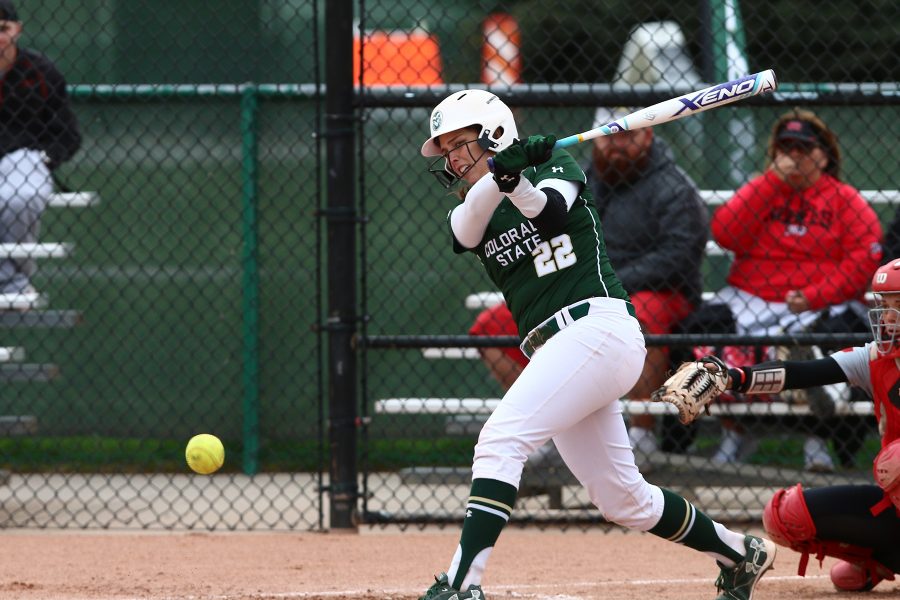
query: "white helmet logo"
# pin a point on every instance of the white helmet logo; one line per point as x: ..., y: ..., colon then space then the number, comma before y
x: 881, y: 278
x: 436, y: 119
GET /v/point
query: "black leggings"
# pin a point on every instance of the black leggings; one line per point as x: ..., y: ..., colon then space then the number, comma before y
x: 841, y: 514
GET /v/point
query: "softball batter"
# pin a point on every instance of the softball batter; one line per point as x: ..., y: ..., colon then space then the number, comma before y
x: 533, y: 226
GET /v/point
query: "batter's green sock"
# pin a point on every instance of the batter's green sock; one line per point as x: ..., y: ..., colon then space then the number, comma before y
x: 682, y: 523
x: 487, y: 512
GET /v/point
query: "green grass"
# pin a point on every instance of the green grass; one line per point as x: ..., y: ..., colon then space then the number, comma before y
x: 93, y: 454
x: 787, y: 451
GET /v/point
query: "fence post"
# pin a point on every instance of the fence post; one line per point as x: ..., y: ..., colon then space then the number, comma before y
x: 340, y: 212
x: 250, y: 266
x: 728, y: 60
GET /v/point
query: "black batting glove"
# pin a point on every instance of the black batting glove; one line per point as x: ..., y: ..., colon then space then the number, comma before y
x: 539, y: 148
x: 508, y: 166
x: 510, y: 162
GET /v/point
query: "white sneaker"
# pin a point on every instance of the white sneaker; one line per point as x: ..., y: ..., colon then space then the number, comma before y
x: 816, y: 457
x: 643, y: 441
x: 734, y: 447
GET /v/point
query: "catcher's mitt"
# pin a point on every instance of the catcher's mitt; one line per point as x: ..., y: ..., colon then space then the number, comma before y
x: 693, y: 386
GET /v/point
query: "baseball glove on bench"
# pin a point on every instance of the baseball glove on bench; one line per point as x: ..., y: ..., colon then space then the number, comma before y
x: 693, y: 386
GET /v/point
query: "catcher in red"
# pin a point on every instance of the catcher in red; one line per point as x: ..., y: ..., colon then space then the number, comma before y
x: 858, y: 524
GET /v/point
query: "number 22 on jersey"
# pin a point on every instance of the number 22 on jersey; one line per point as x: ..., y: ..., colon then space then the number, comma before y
x: 553, y: 256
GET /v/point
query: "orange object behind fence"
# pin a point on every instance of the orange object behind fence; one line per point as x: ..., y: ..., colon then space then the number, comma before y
x: 398, y: 58
x: 501, y: 61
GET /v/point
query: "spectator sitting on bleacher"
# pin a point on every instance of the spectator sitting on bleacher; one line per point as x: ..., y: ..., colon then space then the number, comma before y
x: 805, y: 245
x: 505, y: 364
x: 655, y: 227
x: 38, y: 132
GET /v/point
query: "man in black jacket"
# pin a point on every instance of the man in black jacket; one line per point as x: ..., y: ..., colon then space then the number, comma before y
x: 38, y: 132
x: 656, y: 227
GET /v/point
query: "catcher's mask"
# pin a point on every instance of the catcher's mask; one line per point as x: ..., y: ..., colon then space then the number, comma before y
x: 885, y: 320
x: 468, y: 108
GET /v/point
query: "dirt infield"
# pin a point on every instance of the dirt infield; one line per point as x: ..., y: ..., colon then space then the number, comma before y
x: 384, y: 564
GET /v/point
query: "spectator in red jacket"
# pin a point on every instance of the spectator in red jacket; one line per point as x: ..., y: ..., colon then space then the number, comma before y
x: 805, y: 246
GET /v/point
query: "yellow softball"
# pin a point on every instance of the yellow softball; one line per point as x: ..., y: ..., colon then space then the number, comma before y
x: 205, y: 453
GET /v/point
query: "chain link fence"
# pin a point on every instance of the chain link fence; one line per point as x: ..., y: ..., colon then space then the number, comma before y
x: 190, y: 276
x: 187, y: 300
x: 430, y: 385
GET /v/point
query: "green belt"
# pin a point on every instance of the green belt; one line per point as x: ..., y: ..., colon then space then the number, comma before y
x: 540, y: 334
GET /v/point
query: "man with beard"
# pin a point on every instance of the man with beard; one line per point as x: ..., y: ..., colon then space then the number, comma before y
x: 655, y: 226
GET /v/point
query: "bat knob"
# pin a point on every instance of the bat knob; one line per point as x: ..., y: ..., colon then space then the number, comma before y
x: 490, y: 163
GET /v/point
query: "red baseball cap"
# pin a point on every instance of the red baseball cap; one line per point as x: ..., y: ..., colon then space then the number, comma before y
x: 799, y: 130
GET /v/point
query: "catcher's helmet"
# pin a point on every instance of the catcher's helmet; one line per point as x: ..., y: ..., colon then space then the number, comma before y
x: 887, y: 335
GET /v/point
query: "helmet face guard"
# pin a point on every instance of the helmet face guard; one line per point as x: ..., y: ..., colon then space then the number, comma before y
x: 441, y: 168
x: 887, y: 335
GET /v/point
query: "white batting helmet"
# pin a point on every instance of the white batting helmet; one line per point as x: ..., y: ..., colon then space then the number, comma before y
x: 468, y: 108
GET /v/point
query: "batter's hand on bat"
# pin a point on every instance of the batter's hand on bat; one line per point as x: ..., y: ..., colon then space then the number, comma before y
x: 509, y: 163
x: 507, y: 166
x: 538, y: 149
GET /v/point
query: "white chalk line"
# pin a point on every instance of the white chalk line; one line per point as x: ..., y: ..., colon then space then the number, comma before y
x: 507, y: 589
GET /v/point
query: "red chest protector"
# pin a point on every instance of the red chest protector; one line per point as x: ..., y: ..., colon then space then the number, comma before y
x: 885, y: 374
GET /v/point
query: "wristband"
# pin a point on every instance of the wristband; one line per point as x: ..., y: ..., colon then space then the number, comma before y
x: 768, y: 378
x: 738, y: 377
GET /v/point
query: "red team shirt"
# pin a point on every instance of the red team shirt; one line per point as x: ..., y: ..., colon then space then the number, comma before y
x: 886, y: 397
x: 824, y: 241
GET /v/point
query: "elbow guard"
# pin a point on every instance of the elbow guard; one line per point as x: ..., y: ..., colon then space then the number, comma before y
x: 552, y: 219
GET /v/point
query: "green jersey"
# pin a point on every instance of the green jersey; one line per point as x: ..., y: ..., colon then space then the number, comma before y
x: 537, y: 276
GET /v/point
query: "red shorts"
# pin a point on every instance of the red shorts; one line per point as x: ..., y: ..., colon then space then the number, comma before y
x: 497, y: 320
x: 659, y: 311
